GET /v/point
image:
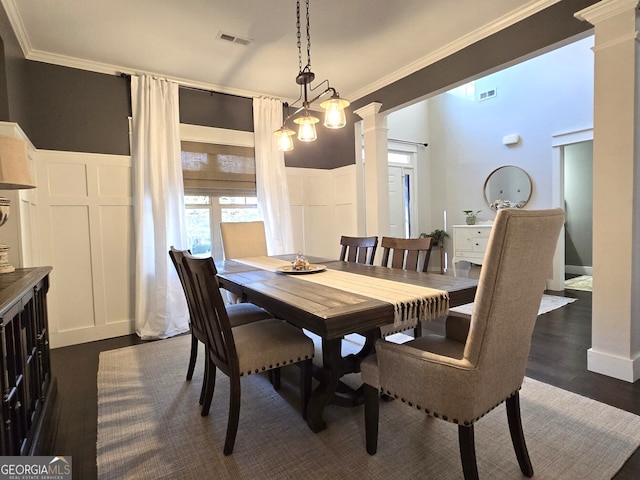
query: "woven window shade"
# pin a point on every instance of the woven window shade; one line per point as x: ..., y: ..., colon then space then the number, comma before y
x: 218, y: 170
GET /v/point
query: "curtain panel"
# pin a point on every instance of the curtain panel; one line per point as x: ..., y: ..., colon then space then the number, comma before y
x: 271, y: 177
x: 160, y: 305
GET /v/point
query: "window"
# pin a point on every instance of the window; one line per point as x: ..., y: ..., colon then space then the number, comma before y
x: 220, y: 186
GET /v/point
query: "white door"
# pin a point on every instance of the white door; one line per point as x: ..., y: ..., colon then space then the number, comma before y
x: 402, y: 208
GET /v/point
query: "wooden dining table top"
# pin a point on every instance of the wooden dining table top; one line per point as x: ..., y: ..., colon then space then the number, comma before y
x: 327, y: 311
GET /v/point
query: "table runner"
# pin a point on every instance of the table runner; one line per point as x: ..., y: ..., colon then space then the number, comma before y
x: 411, y: 302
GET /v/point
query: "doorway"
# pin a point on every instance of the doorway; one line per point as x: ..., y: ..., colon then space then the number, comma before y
x: 402, y: 204
x: 571, y: 186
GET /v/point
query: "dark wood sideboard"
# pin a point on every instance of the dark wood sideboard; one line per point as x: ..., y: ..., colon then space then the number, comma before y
x: 28, y: 415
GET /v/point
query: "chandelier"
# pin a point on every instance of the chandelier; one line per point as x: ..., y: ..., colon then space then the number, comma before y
x: 334, y: 106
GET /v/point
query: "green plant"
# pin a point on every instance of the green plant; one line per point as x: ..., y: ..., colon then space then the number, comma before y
x: 470, y: 213
x: 438, y: 236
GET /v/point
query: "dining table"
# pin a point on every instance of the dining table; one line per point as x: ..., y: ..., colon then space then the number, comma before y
x: 333, y: 311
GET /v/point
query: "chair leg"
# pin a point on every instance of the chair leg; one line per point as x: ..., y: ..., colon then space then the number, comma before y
x: 209, y: 386
x: 274, y: 378
x: 192, y: 357
x: 517, y: 435
x: 205, y: 380
x: 234, y: 415
x: 468, y: 452
x: 306, y: 377
x: 371, y: 416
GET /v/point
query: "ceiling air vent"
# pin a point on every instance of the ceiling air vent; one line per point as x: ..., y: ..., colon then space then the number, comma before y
x: 487, y: 94
x: 227, y: 37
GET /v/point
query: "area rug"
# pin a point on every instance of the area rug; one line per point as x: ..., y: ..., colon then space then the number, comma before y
x: 583, y: 282
x: 149, y: 427
x: 548, y: 303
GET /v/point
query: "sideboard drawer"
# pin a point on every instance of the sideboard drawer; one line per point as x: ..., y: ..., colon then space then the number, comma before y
x: 470, y: 243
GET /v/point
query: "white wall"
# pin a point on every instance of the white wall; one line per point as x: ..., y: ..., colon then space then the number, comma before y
x: 537, y: 99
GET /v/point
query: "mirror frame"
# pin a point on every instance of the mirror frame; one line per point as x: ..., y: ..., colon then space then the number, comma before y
x: 520, y: 204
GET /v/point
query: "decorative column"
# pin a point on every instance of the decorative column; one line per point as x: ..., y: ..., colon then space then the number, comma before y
x: 376, y: 170
x: 615, y: 349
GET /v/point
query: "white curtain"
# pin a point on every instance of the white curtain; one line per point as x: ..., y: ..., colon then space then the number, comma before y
x: 271, y: 178
x: 160, y: 306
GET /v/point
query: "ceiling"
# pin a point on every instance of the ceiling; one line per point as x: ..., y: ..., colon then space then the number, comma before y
x: 359, y: 45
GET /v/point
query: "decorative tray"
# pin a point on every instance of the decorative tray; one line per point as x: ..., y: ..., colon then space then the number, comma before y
x: 288, y: 269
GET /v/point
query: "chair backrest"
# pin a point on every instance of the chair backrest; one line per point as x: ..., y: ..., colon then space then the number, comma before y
x: 219, y: 337
x: 406, y: 253
x: 243, y: 239
x: 194, y: 315
x: 517, y: 264
x: 358, y: 249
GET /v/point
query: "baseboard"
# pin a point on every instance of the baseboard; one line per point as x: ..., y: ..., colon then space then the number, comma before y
x: 627, y: 369
x: 578, y: 270
x: 90, y: 334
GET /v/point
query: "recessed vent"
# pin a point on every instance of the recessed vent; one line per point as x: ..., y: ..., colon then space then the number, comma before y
x: 487, y: 94
x: 227, y: 37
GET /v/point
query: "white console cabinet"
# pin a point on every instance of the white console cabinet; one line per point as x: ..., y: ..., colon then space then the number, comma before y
x: 469, y: 244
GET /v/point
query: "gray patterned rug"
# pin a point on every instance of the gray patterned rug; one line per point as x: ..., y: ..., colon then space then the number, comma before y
x: 149, y: 427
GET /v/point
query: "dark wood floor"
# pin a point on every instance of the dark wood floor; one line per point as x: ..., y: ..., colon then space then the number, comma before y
x: 558, y: 357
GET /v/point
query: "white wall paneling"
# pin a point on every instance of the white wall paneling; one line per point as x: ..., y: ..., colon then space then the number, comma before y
x: 323, y: 207
x: 86, y: 213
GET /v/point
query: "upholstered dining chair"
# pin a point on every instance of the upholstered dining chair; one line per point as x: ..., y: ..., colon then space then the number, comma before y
x: 407, y: 254
x: 480, y: 361
x: 238, y: 314
x: 358, y: 249
x: 243, y: 350
x: 242, y: 240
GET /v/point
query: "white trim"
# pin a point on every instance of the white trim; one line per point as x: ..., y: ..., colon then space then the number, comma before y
x: 223, y: 136
x: 605, y: 9
x: 627, y: 369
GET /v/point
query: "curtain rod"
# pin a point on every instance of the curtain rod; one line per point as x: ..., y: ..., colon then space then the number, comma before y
x: 407, y: 142
x: 127, y: 76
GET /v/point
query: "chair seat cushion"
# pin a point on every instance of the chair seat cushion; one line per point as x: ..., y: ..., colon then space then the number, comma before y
x: 268, y: 344
x: 243, y: 313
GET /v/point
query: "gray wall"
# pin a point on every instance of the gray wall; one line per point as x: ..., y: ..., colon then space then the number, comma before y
x: 578, y: 194
x: 61, y: 108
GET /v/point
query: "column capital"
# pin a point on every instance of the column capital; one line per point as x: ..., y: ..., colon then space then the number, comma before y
x: 368, y: 110
x: 605, y: 9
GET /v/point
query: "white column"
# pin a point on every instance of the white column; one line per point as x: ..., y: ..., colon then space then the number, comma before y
x: 376, y: 170
x: 615, y: 347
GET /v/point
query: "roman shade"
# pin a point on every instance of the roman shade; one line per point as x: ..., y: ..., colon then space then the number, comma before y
x: 218, y: 170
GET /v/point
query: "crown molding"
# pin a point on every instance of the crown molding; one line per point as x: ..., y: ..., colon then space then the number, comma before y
x: 495, y: 26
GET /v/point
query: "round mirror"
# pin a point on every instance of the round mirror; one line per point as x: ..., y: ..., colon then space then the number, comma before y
x: 507, y: 187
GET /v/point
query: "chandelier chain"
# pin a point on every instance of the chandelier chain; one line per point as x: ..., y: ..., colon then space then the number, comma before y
x: 308, y: 39
x: 298, y: 35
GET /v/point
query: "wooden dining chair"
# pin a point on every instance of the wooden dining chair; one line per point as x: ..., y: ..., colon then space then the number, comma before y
x: 480, y: 362
x: 239, y: 314
x: 243, y: 350
x: 407, y: 254
x: 358, y: 249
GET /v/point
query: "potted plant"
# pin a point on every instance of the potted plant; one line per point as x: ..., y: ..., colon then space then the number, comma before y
x: 471, y: 216
x: 437, y: 237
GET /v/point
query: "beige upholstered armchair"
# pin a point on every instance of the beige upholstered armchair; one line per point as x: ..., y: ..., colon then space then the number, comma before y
x: 481, y: 361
